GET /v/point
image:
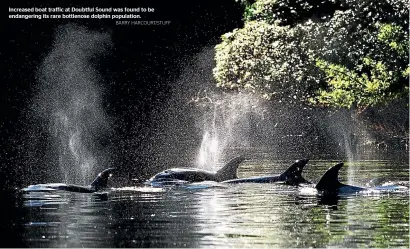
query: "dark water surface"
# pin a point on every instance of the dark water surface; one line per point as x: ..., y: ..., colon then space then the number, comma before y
x: 246, y: 215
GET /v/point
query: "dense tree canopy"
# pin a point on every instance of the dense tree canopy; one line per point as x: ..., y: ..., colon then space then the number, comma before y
x: 347, y: 53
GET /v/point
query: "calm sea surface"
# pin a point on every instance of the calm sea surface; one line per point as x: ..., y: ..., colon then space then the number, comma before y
x: 246, y: 215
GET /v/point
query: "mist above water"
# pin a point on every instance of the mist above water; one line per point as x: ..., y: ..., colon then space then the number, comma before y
x: 198, y: 125
x: 226, y: 123
x: 214, y: 125
x: 69, y: 101
x: 201, y: 126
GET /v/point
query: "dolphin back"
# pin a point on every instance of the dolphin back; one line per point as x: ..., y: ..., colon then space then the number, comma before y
x: 330, y: 179
x: 293, y: 174
x: 229, y: 171
x: 101, y: 181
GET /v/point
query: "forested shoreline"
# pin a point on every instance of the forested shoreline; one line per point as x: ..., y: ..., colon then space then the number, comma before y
x: 337, y: 55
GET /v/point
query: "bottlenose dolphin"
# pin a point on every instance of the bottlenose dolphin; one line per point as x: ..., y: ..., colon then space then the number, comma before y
x: 291, y: 176
x: 100, y: 182
x: 329, y: 184
x: 176, y: 176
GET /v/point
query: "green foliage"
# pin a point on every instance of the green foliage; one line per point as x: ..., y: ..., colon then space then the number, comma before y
x: 259, y: 53
x: 285, y: 12
x: 394, y: 37
x: 337, y: 53
x: 371, y: 82
x: 347, y: 88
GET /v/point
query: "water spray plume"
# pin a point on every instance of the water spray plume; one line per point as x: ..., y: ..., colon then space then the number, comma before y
x: 70, y: 101
x: 225, y: 125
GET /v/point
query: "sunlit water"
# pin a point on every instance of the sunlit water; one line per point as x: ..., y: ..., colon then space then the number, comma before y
x: 246, y: 215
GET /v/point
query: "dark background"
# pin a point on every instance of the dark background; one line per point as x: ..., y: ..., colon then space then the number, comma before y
x: 137, y: 73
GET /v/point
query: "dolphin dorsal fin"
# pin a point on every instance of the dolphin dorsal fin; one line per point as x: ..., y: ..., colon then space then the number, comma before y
x: 101, y: 180
x: 330, y: 179
x: 229, y: 170
x: 295, y: 170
